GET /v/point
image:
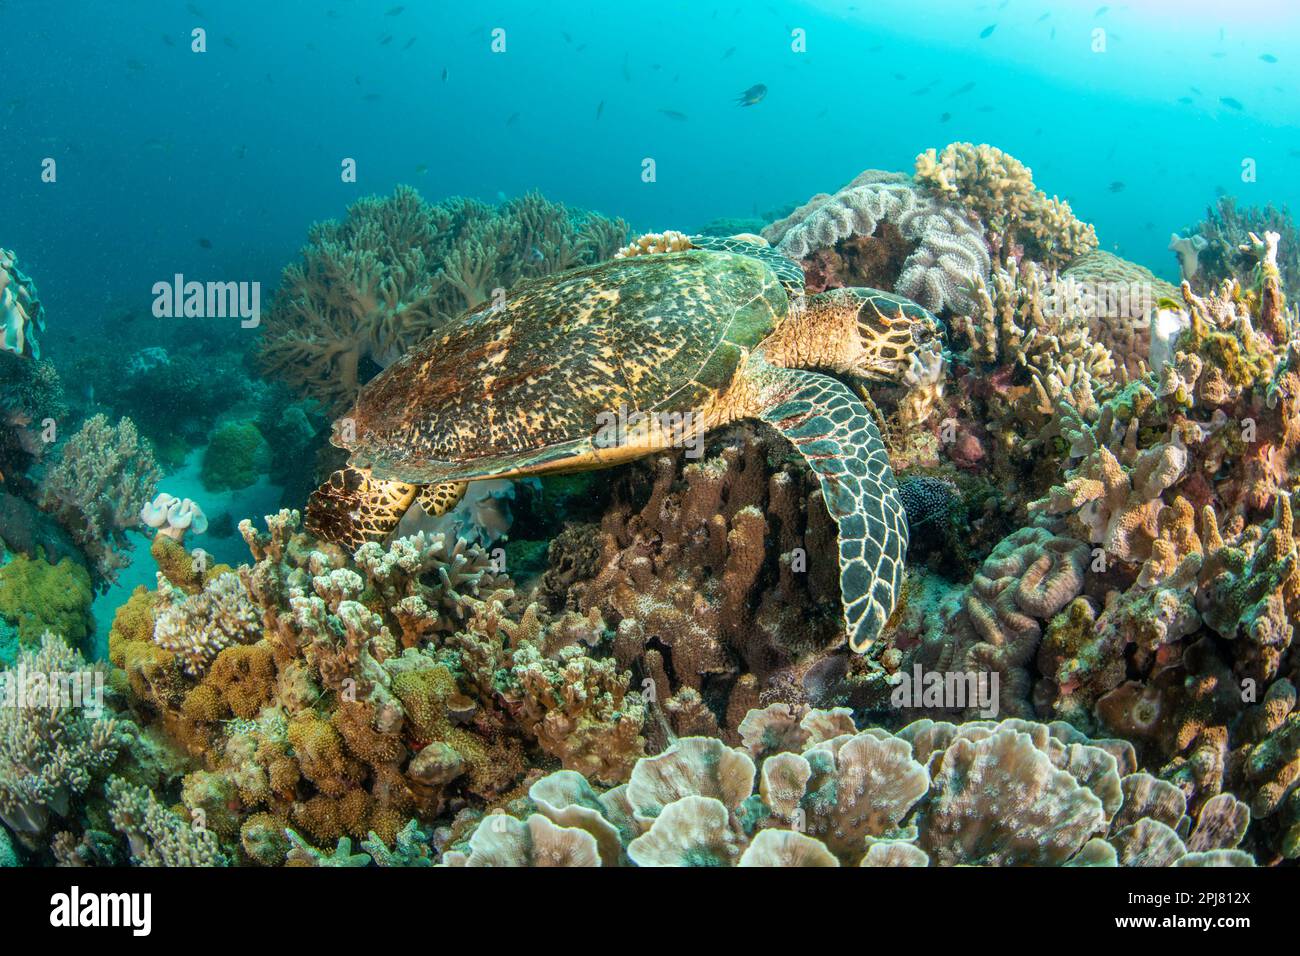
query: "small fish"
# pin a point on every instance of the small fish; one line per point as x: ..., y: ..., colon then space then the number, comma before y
x: 752, y: 95
x: 395, y: 11
x: 241, y: 151
x: 135, y: 66
x: 945, y: 117
x: 168, y: 40
x: 567, y: 38
x: 964, y: 88
x: 1186, y: 100
x: 730, y: 50
x: 230, y: 43
x: 444, y: 74
x: 512, y: 119
x: 193, y: 8
x: 1117, y: 186
x: 205, y: 243
x: 600, y: 108
x: 674, y: 115
x: 988, y: 31
x: 1101, y: 11
x: 1196, y: 91
x: 410, y: 43
x: 1231, y: 102
x: 1268, y: 57
x: 421, y: 169
x: 372, y: 97
x: 387, y: 39
x: 1044, y: 17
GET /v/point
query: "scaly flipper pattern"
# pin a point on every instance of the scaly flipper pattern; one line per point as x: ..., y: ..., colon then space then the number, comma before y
x: 352, y: 508
x: 836, y: 436
x: 440, y: 498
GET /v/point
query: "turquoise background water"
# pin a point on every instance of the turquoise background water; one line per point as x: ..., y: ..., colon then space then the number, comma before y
x: 159, y: 147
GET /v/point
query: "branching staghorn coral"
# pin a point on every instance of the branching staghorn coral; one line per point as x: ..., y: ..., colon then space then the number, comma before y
x: 395, y: 269
x: 999, y: 189
x: 103, y: 478
x: 816, y: 792
x: 949, y: 250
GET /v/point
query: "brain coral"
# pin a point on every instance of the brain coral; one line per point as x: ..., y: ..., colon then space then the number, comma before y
x: 949, y: 250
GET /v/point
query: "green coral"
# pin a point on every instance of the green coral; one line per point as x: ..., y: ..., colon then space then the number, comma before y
x: 236, y: 455
x: 36, y: 596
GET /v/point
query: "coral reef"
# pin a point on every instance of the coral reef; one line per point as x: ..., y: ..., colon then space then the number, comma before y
x: 173, y: 517
x: 36, y: 597
x: 703, y: 610
x: 933, y: 794
x: 342, y: 697
x: 1219, y: 248
x: 999, y: 189
x: 371, y: 286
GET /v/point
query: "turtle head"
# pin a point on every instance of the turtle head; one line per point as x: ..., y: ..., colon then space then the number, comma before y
x: 864, y: 333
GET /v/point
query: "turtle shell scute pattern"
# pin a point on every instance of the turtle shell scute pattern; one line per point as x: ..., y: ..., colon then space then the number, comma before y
x: 548, y: 365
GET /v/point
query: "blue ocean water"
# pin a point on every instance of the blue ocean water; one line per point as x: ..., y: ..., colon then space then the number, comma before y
x: 159, y: 148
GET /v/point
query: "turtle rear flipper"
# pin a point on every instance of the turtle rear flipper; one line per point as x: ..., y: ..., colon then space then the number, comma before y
x: 351, y: 508
x: 837, y: 437
x: 440, y: 498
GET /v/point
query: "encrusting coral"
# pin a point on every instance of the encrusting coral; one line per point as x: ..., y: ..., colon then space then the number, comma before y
x: 373, y: 285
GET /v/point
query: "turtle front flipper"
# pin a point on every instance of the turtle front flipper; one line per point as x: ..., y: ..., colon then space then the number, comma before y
x: 837, y: 437
x: 352, y: 508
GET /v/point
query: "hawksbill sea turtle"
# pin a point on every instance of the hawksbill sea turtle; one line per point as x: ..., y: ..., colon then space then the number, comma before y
x: 683, y: 341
